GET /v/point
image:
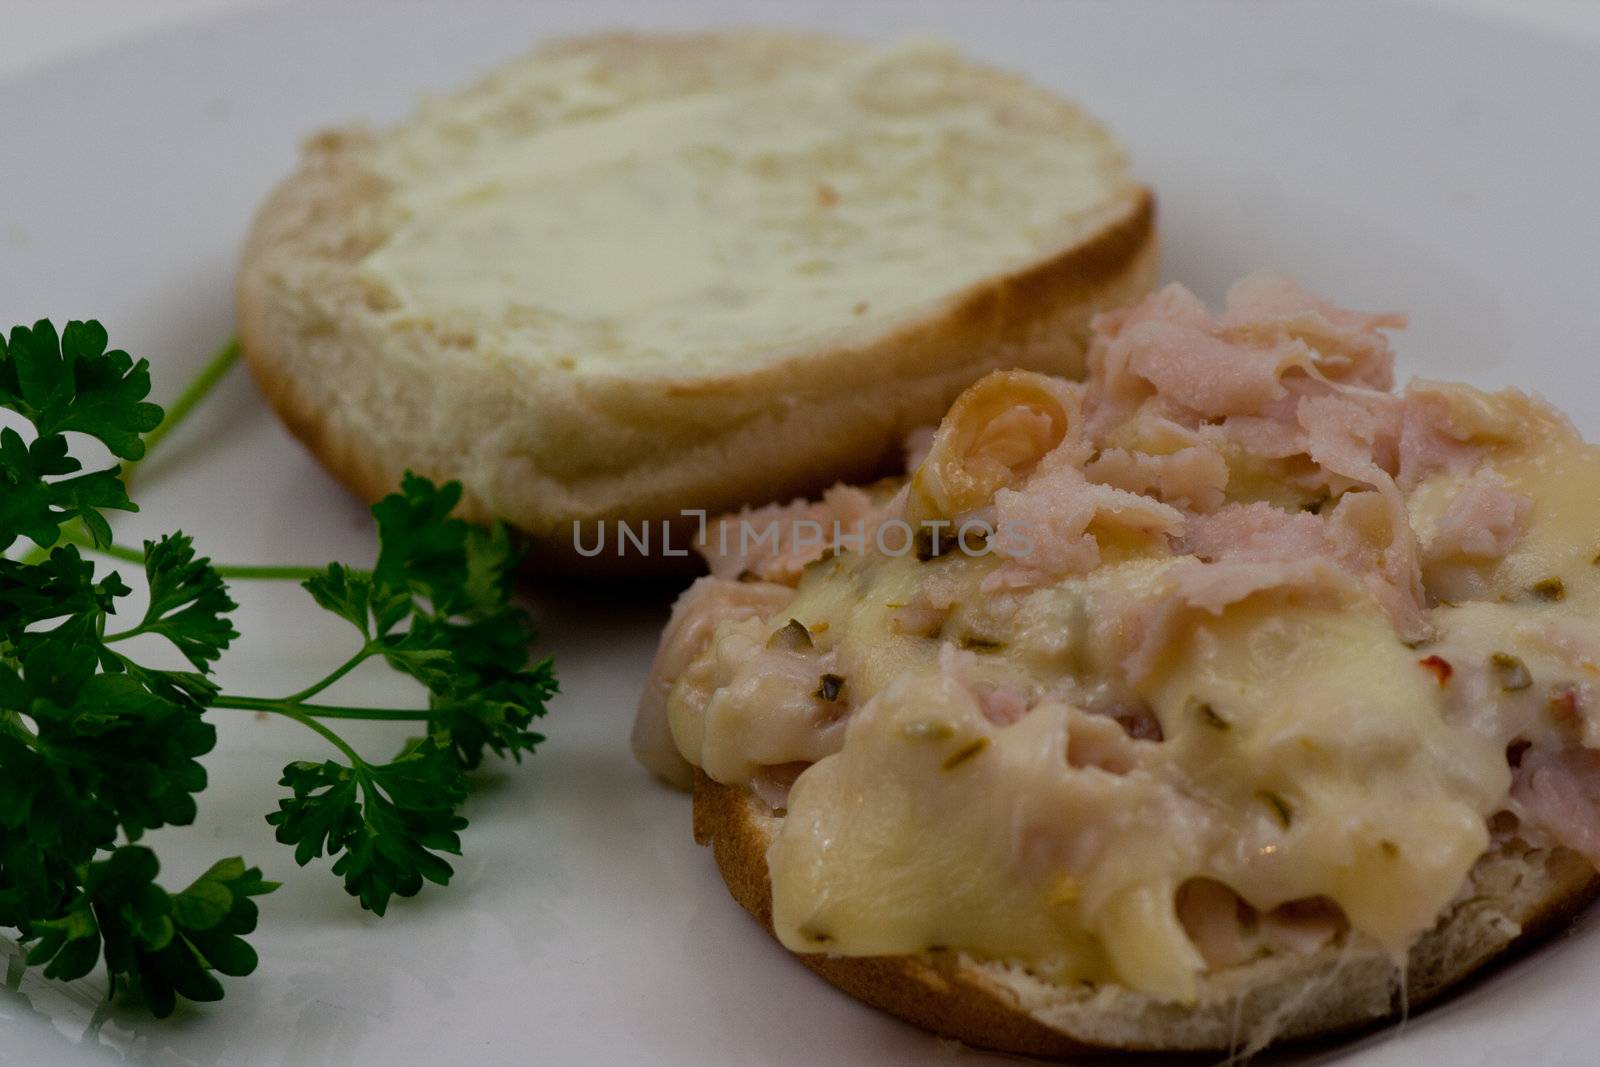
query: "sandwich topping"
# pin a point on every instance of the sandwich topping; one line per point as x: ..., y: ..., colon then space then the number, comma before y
x: 1233, y: 649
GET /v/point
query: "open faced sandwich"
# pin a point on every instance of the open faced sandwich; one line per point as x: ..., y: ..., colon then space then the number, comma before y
x: 1227, y: 697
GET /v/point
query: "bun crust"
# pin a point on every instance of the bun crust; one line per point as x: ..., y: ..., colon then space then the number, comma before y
x: 543, y: 448
x: 1516, y: 894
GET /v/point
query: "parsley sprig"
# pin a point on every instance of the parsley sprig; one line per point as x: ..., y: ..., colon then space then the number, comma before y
x: 97, y: 748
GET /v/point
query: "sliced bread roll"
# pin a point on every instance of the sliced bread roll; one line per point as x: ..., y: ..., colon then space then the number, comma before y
x: 632, y: 275
x: 1514, y: 893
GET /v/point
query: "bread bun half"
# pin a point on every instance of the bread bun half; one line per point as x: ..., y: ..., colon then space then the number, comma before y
x: 632, y: 275
x: 1515, y: 894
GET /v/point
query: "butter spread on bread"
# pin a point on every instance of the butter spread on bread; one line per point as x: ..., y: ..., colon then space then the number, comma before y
x: 730, y: 221
x: 631, y: 275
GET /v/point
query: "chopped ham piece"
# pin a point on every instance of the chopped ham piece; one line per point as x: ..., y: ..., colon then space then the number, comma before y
x: 776, y: 542
x: 1203, y: 372
x: 1173, y: 303
x: 1048, y: 527
x: 1262, y: 437
x: 1235, y: 365
x: 1484, y: 520
x: 1213, y: 586
x: 1002, y: 704
x: 1355, y: 436
x: 1256, y: 531
x: 1373, y: 538
x: 1263, y: 546
x: 1428, y: 442
x: 1347, y: 344
x: 1192, y: 477
x: 1559, y: 792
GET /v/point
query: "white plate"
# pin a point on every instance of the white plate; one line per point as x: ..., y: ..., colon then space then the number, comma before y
x: 1391, y: 156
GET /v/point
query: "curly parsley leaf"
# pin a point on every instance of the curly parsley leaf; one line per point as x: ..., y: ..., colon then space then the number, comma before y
x: 348, y: 594
x: 189, y: 604
x: 97, y: 748
x: 62, y: 585
x: 439, y: 607
x: 163, y: 944
x: 111, y: 736
x: 71, y: 382
x: 387, y: 823
x: 67, y: 383
x: 38, y: 497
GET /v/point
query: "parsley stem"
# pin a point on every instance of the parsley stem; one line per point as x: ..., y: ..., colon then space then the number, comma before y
x: 76, y: 536
x: 299, y: 715
x: 319, y: 711
x: 265, y: 572
x: 343, y: 669
x: 237, y: 572
x: 212, y: 373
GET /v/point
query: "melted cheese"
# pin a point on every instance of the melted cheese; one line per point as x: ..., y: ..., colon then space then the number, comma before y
x: 1337, y: 770
x: 1331, y: 729
x: 1557, y: 471
x: 1307, y: 752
